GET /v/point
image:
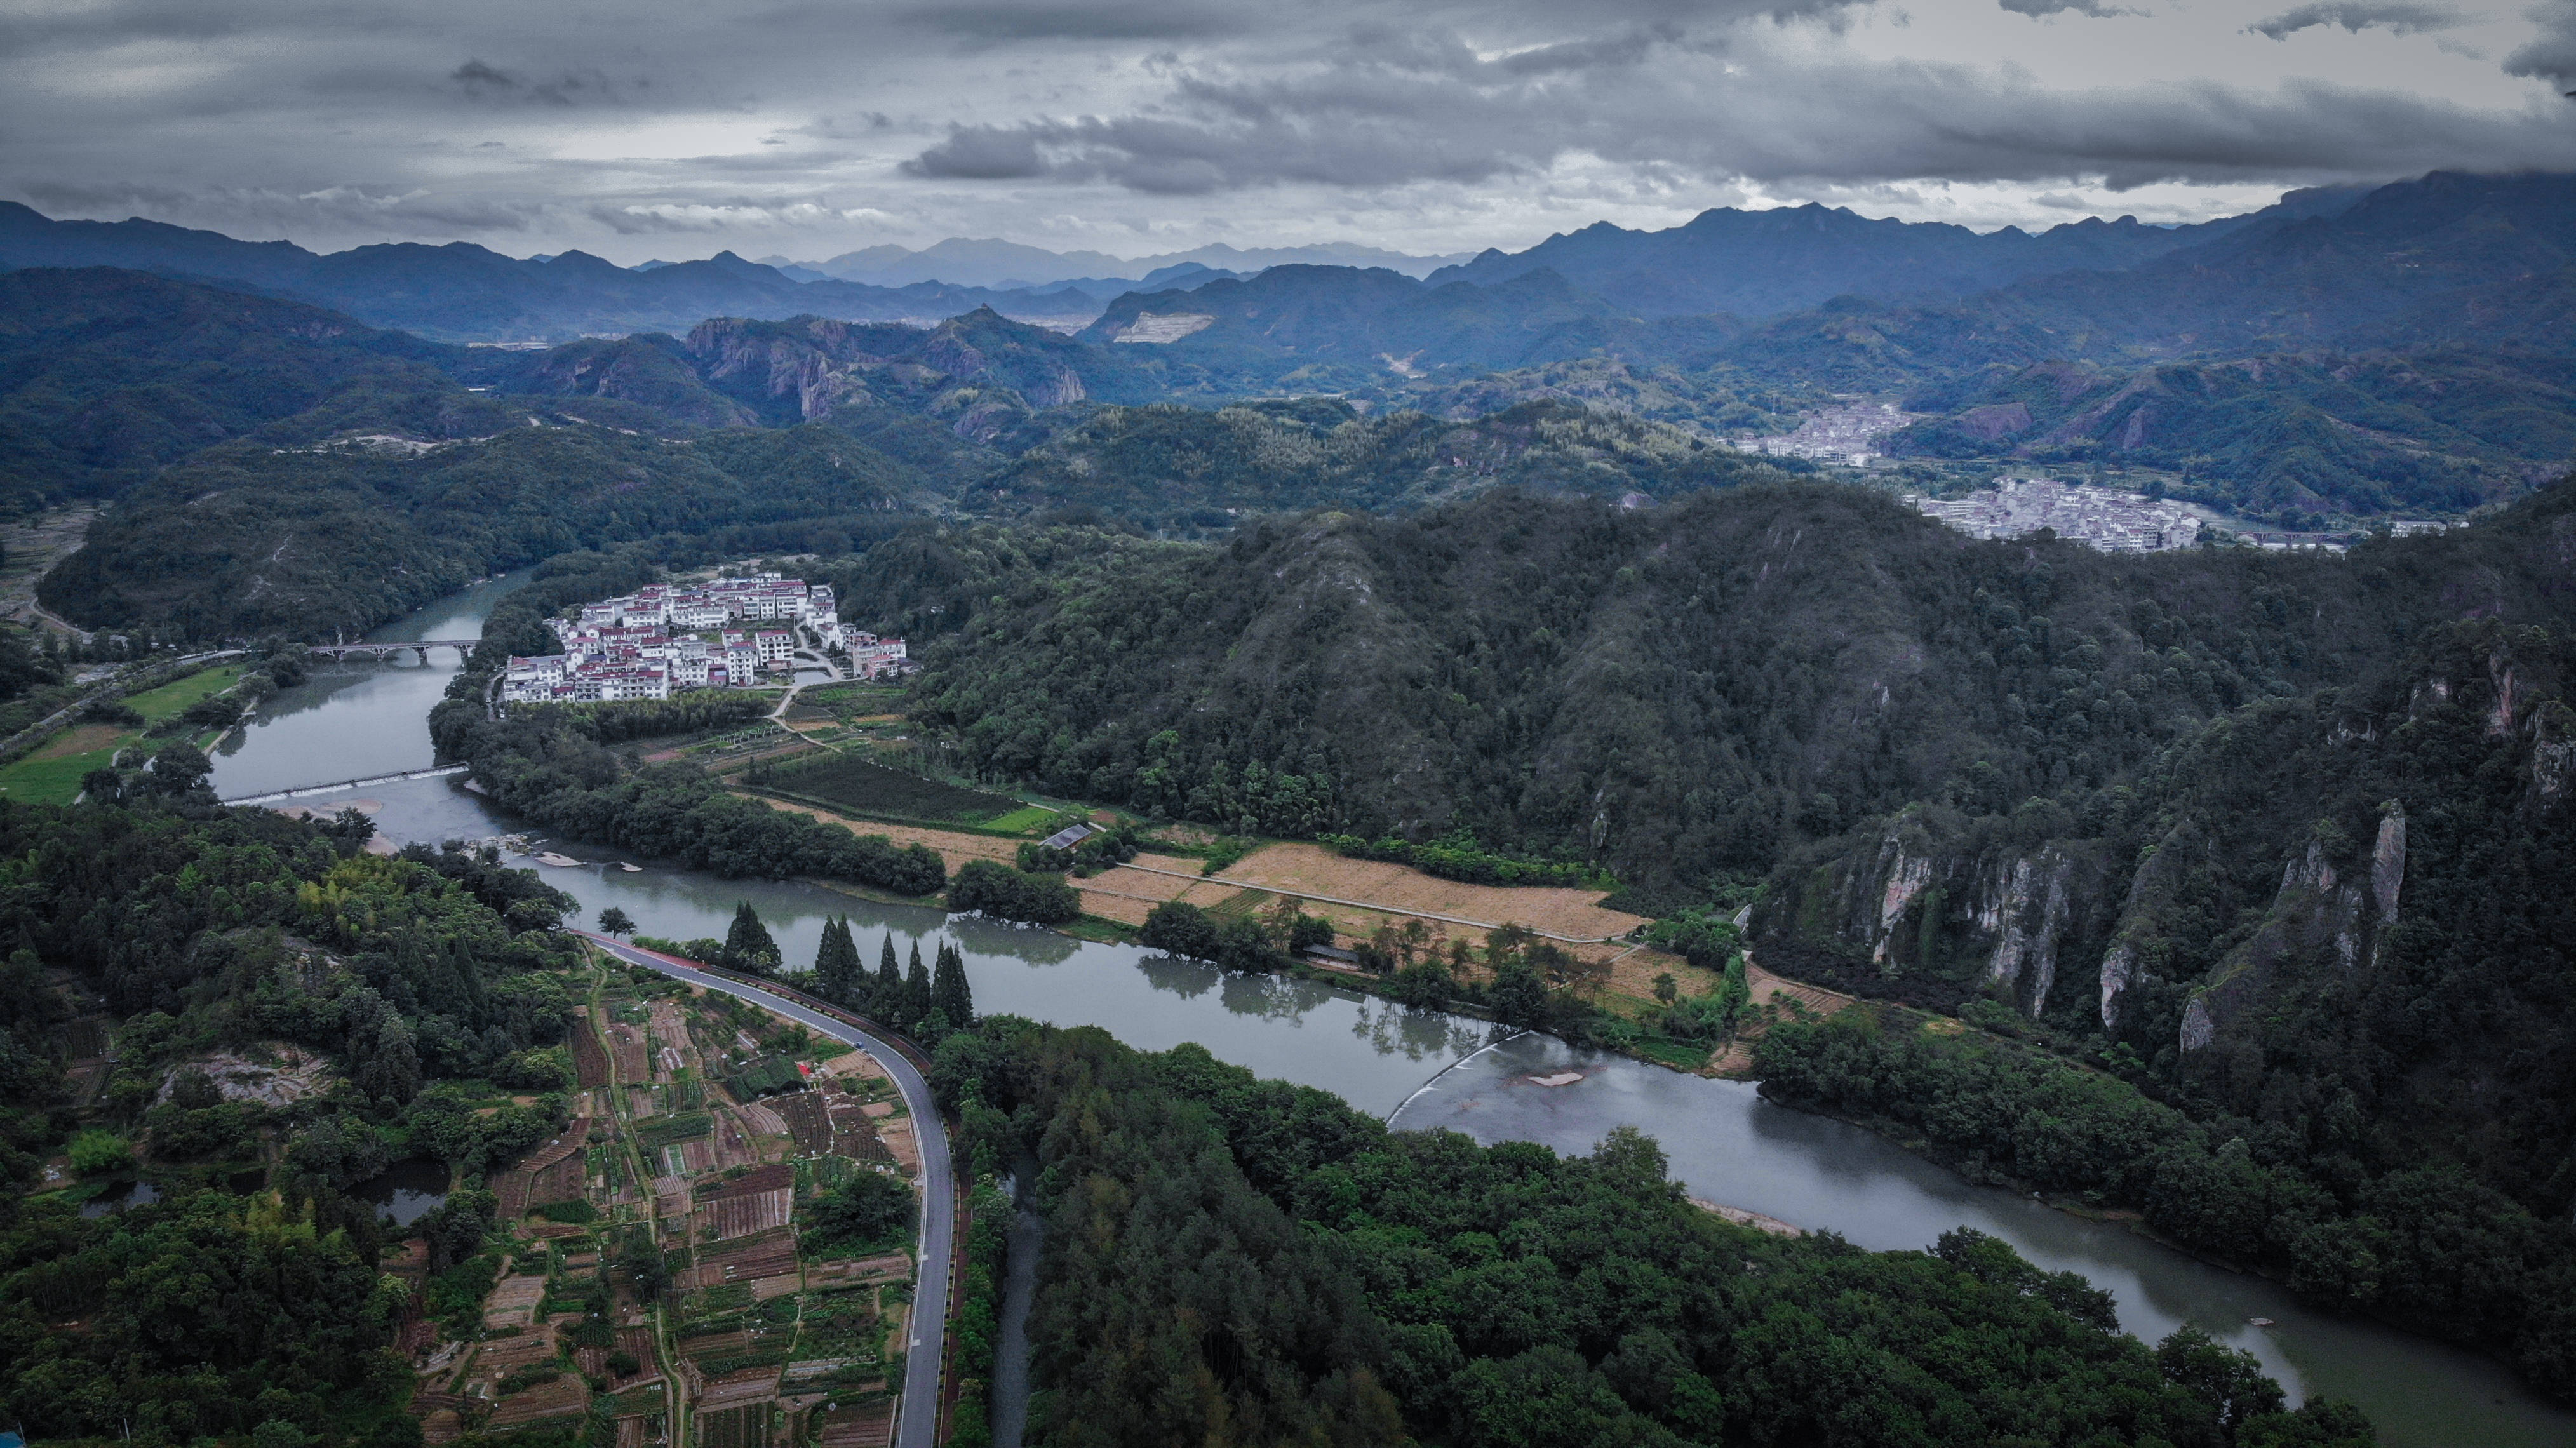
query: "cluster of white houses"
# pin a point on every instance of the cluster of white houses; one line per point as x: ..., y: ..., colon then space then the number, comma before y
x: 657, y: 641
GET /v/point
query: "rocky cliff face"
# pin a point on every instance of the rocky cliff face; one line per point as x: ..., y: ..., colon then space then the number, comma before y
x: 1943, y: 901
x: 2168, y: 899
x: 978, y: 374
x: 2317, y: 917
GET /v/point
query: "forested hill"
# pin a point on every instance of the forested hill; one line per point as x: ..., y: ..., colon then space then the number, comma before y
x: 286, y: 1007
x: 2322, y: 366
x: 249, y: 539
x: 2433, y: 433
x: 1673, y: 691
x: 1761, y: 263
x: 2279, y: 839
x: 106, y: 375
x: 280, y: 468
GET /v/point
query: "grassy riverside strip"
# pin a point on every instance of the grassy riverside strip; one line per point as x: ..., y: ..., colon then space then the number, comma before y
x: 48, y: 769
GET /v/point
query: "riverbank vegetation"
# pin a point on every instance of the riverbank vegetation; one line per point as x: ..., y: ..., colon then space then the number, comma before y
x: 1238, y: 1260
x: 2425, y: 1245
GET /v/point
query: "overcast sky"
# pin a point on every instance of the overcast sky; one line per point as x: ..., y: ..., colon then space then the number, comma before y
x: 813, y: 127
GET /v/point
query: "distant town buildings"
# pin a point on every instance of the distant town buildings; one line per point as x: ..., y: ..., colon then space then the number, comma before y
x: 2106, y: 518
x: 1834, y: 435
x: 656, y: 641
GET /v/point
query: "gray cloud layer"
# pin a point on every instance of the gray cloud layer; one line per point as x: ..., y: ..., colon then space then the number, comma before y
x: 2552, y: 55
x: 765, y: 122
x: 2398, y: 18
x: 1386, y: 108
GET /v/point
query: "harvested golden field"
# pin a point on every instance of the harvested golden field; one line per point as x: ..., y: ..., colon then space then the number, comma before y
x: 1315, y: 871
x: 1633, y: 972
x: 896, y: 1133
x: 1129, y: 892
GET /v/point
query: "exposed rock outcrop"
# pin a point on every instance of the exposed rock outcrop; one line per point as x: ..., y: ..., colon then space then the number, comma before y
x: 1937, y: 897
x: 2388, y: 862
x: 979, y: 373
x: 2553, y: 752
x: 2153, y: 889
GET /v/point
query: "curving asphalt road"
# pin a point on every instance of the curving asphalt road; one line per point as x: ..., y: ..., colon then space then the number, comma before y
x: 916, y: 1422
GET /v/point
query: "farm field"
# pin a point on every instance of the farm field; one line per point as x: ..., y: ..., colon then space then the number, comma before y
x: 1404, y: 890
x: 663, y: 1170
x: 52, y: 774
x: 869, y: 788
x: 956, y: 847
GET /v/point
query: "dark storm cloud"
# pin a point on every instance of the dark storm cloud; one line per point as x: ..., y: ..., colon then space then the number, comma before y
x: 2041, y: 9
x: 564, y: 88
x: 2552, y: 55
x: 2360, y: 15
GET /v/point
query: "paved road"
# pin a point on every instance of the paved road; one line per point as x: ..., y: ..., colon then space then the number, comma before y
x: 916, y: 1423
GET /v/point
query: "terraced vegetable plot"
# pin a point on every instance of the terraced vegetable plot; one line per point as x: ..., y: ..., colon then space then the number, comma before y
x: 658, y: 1162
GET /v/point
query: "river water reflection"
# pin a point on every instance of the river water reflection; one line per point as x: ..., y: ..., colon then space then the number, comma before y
x: 356, y: 720
x: 1724, y: 1141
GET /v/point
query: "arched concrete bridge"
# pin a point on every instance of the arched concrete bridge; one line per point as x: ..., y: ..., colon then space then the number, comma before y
x: 381, y: 651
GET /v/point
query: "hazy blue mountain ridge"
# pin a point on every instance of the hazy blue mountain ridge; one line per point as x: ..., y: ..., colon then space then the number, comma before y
x: 463, y: 292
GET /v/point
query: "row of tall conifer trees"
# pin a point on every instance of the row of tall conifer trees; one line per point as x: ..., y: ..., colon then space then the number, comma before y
x: 923, y: 1003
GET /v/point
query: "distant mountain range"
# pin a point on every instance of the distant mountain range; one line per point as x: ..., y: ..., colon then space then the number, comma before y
x: 1832, y: 298
x: 1009, y: 265
x: 1761, y: 263
x: 466, y: 293
x: 2405, y: 350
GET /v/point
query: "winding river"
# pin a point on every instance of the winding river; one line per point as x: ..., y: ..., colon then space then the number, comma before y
x: 1724, y: 1141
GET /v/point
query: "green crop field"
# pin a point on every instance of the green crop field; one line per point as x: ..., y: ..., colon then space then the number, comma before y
x: 1025, y: 819
x: 52, y: 774
x: 765, y: 1078
x: 158, y: 704
x: 874, y: 789
x: 654, y: 1135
